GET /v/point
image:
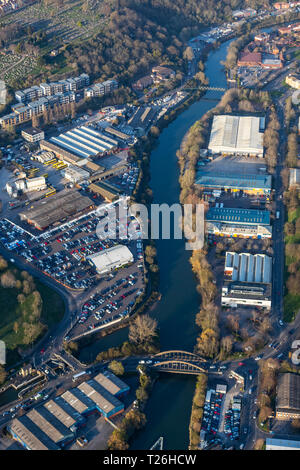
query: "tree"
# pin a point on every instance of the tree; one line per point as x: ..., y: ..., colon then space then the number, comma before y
x: 3, y: 375
x: 116, y: 367
x: 8, y: 280
x: 142, y: 330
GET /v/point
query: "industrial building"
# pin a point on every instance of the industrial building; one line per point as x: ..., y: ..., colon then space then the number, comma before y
x: 247, y: 280
x: 58, y: 208
x: 288, y: 397
x: 25, y: 185
x: 249, y: 184
x: 54, y: 424
x: 234, y: 222
x: 106, y: 190
x: 112, y: 383
x: 75, y: 174
x: 110, y: 259
x: 85, y: 142
x: 281, y: 444
x: 237, y: 135
x: 142, y: 119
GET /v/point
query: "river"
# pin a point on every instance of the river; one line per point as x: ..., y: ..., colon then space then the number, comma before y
x: 169, y: 407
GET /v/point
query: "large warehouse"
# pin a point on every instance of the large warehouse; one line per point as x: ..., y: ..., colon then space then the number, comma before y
x: 237, y: 135
x: 110, y: 259
x: 85, y: 142
x: 235, y: 222
x: 247, y: 280
x: 288, y: 397
x: 54, y: 424
x: 58, y: 208
x: 249, y: 184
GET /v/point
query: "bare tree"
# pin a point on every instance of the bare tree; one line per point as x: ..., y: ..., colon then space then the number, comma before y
x: 142, y: 329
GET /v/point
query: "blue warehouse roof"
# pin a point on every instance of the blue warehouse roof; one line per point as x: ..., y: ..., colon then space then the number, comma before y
x: 238, y: 216
x: 243, y: 182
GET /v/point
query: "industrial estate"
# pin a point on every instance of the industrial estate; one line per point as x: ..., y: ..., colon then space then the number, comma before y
x: 92, y: 312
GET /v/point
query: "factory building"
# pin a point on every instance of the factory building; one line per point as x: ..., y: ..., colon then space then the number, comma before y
x: 241, y: 135
x: 249, y: 184
x: 60, y: 207
x: 85, y: 142
x: 106, y: 190
x: 247, y: 280
x: 110, y: 259
x: 112, y: 383
x: 75, y: 174
x: 234, y: 222
x: 55, y: 424
x: 288, y: 397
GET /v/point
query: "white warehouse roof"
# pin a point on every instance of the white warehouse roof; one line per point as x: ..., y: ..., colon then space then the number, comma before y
x: 245, y: 267
x: 111, y: 258
x: 236, y: 134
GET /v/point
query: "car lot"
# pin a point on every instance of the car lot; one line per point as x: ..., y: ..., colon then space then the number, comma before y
x: 211, y: 415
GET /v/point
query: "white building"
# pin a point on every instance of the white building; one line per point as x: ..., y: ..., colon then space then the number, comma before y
x: 247, y: 280
x: 35, y: 184
x: 33, y: 134
x: 110, y: 259
x: 237, y: 135
x: 75, y: 174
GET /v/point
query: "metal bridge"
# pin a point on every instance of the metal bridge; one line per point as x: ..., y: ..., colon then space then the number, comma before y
x: 179, y: 362
x: 206, y: 88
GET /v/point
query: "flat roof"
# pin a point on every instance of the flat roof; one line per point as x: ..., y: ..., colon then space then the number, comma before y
x: 246, y: 182
x: 32, y: 131
x: 282, y: 444
x: 107, y: 259
x: 239, y: 134
x: 60, y: 206
x: 238, y: 216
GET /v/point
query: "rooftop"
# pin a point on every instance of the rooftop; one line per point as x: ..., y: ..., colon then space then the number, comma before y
x: 234, y: 181
x: 238, y: 216
x: 236, y: 134
x: 245, y: 267
x: 288, y: 392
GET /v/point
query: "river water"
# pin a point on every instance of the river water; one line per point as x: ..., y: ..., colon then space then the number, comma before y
x: 169, y: 406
